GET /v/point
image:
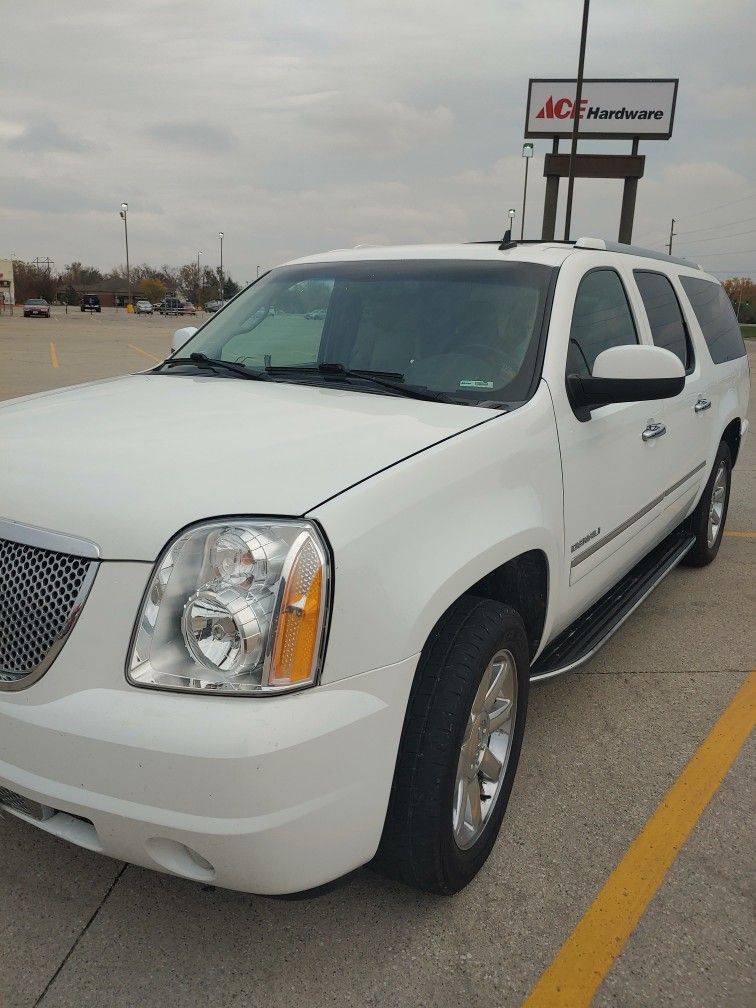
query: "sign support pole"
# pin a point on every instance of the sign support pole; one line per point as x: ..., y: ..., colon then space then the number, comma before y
x: 576, y: 119
x: 627, y: 213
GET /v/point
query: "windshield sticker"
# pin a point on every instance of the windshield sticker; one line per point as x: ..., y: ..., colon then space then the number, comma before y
x: 473, y: 383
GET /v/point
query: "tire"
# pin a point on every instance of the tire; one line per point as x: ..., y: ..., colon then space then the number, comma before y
x: 426, y: 843
x: 705, y: 548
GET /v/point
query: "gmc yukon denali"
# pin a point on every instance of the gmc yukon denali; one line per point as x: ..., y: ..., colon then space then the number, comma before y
x: 270, y: 611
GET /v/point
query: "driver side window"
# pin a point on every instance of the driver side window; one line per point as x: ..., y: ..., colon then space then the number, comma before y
x: 601, y: 319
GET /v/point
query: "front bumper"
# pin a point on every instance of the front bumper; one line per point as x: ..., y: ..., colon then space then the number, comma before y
x: 267, y: 795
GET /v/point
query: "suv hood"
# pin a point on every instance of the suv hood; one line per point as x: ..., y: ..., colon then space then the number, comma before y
x: 129, y: 461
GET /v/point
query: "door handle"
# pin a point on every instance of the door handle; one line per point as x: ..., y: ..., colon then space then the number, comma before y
x: 654, y: 430
x: 702, y: 404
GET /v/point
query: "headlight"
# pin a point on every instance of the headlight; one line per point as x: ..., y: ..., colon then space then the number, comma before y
x: 236, y: 606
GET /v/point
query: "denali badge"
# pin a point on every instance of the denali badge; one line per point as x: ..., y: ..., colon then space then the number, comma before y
x: 585, y: 539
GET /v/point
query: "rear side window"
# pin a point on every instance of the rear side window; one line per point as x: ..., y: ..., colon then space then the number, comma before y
x: 601, y: 319
x: 716, y: 317
x: 664, y: 315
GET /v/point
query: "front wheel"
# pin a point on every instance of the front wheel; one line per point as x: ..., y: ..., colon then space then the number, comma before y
x: 708, y: 520
x: 460, y: 748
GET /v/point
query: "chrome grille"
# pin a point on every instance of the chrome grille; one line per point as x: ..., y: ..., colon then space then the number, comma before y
x: 41, y: 594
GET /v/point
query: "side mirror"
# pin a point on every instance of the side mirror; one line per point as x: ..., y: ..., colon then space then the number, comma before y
x: 182, y: 336
x: 626, y: 374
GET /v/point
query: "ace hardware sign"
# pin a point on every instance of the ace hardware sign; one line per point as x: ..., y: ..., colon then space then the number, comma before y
x: 609, y: 109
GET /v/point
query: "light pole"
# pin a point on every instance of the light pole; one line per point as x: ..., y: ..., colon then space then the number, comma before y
x: 124, y: 213
x: 511, y: 212
x: 199, y: 279
x: 527, y: 153
x: 220, y: 235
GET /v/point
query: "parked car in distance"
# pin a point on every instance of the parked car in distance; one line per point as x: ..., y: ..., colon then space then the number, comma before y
x: 187, y: 308
x: 91, y: 302
x: 171, y: 306
x: 310, y: 645
x: 143, y: 308
x: 36, y: 308
x: 318, y: 313
x: 214, y: 306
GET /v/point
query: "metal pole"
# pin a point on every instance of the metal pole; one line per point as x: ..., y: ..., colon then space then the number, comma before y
x: 524, y: 198
x: 671, y: 236
x: 199, y: 284
x: 576, y: 120
x: 221, y: 266
x: 128, y: 270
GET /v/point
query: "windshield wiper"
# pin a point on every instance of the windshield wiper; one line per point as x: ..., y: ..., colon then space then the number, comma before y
x: 393, y: 381
x: 213, y: 363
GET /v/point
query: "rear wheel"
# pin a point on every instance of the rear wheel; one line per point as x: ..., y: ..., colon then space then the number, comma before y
x: 708, y: 520
x: 460, y: 748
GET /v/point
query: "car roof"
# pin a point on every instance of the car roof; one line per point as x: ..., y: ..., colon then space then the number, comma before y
x: 549, y: 253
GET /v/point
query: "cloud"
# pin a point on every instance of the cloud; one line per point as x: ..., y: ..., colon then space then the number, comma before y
x: 378, y: 128
x: 38, y: 196
x: 299, y: 126
x: 45, y: 137
x: 192, y: 134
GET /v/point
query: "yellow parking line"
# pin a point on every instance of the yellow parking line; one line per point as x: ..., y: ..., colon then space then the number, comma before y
x: 53, y: 355
x: 587, y: 956
x: 742, y: 535
x: 146, y: 353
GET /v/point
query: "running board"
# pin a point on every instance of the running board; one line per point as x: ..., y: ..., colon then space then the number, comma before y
x: 583, y: 638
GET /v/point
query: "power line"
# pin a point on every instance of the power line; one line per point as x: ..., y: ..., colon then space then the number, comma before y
x: 659, y: 239
x: 719, y: 206
x: 731, y: 252
x: 738, y: 234
x: 713, y: 227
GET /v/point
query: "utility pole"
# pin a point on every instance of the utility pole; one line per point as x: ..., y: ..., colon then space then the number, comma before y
x: 671, y: 236
x: 576, y: 120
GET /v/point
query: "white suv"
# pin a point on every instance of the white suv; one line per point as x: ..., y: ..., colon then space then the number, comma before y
x: 271, y: 610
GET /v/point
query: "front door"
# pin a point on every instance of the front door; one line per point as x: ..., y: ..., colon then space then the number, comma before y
x: 615, y: 470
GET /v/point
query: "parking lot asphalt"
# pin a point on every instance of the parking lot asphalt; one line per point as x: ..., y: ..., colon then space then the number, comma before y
x: 602, y: 750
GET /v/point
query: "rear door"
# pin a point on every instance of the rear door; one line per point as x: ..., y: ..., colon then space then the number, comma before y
x: 688, y: 416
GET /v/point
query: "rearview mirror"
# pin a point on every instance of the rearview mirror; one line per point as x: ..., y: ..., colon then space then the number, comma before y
x: 626, y: 374
x: 182, y: 336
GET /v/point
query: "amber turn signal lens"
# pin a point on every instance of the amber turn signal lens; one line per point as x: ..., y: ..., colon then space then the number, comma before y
x: 295, y: 652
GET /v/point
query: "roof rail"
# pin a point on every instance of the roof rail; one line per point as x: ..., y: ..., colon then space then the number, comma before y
x: 609, y: 246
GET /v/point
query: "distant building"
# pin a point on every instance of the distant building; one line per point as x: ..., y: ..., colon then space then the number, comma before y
x: 7, y: 288
x: 111, y: 294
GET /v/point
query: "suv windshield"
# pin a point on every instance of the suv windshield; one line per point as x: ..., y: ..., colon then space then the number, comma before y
x: 468, y: 329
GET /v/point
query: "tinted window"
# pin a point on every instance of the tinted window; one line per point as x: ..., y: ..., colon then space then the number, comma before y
x: 664, y: 315
x: 601, y: 319
x: 469, y: 329
x: 716, y: 317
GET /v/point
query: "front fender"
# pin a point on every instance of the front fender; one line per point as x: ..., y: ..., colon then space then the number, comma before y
x: 412, y: 539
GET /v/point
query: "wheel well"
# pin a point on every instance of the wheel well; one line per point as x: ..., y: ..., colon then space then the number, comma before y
x: 732, y: 437
x: 522, y: 583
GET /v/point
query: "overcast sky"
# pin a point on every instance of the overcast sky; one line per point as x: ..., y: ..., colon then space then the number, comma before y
x: 300, y: 125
